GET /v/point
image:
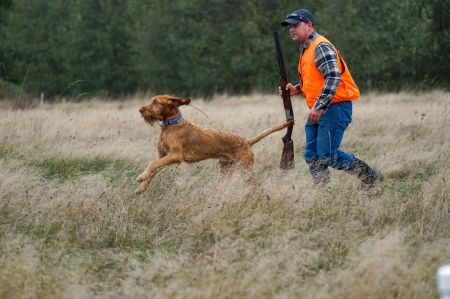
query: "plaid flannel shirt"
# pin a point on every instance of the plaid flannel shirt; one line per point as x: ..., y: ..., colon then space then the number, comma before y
x: 325, y: 59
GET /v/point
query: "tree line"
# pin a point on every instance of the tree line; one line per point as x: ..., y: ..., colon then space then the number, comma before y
x: 198, y: 48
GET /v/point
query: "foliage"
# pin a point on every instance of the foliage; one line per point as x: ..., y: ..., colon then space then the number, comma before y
x: 200, y: 48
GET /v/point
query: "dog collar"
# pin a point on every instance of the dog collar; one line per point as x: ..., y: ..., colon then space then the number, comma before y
x: 171, y: 121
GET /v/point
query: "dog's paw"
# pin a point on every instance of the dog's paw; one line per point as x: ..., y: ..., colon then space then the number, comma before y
x: 140, y: 189
x: 142, y: 177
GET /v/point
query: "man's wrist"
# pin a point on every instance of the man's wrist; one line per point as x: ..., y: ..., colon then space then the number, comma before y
x: 318, y: 106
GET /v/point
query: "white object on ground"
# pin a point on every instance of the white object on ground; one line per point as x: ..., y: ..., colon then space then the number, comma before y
x: 443, y: 281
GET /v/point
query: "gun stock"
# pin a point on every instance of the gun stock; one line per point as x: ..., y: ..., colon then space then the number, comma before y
x: 287, y: 156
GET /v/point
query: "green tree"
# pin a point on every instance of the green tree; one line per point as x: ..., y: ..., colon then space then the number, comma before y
x: 4, y: 6
x: 100, y: 53
x: 437, y: 63
x: 35, y: 46
x: 199, y: 47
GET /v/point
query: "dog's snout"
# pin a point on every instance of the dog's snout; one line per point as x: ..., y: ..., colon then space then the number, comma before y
x: 141, y: 110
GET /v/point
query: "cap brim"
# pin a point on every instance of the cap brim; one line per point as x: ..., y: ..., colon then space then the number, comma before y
x: 288, y: 22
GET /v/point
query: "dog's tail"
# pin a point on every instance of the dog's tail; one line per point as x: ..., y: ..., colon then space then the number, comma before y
x: 270, y: 131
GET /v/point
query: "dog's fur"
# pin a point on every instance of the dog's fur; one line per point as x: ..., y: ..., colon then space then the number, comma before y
x: 190, y: 143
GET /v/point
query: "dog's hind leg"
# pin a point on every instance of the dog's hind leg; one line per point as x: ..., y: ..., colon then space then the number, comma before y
x: 249, y: 175
x: 245, y: 163
x: 226, y: 166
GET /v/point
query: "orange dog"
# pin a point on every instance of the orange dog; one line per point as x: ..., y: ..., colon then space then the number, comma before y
x: 182, y: 141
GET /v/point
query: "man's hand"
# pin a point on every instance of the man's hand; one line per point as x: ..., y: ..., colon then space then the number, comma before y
x: 314, y: 115
x: 290, y: 87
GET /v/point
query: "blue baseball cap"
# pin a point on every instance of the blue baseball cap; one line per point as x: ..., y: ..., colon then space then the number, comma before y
x: 297, y: 16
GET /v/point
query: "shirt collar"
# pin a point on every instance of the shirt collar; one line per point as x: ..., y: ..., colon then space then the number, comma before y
x: 309, y: 40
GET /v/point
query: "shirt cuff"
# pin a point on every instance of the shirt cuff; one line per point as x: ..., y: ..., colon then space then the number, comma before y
x: 320, y: 105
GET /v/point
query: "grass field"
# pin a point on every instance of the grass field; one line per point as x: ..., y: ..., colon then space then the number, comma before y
x: 71, y: 227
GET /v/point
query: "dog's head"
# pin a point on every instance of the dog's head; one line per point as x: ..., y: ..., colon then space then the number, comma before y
x: 162, y: 107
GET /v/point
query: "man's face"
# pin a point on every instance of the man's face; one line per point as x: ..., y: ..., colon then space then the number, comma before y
x: 300, y: 31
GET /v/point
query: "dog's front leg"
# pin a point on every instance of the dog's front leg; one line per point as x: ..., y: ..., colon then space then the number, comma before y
x: 153, y: 168
x: 162, y: 150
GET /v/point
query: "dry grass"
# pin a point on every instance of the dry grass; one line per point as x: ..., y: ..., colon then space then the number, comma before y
x: 70, y: 226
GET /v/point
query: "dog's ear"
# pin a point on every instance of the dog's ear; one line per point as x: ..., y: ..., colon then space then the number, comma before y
x: 179, y: 101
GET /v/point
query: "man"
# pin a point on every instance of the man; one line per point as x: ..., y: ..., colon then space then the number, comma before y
x: 329, y: 90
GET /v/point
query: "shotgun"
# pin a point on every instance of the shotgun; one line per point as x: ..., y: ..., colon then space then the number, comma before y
x: 287, y: 157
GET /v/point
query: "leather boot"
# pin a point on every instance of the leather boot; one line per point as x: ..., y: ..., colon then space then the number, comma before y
x: 319, y: 171
x: 365, y: 173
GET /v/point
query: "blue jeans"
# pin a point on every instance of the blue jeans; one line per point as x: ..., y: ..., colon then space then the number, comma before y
x: 324, y: 139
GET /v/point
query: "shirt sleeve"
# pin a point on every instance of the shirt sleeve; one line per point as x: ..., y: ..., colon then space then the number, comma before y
x: 325, y: 59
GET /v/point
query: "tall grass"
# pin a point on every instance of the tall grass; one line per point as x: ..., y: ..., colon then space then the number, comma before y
x: 71, y: 227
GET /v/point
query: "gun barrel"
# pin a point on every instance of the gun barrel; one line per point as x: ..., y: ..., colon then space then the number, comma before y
x: 280, y: 59
x: 287, y: 157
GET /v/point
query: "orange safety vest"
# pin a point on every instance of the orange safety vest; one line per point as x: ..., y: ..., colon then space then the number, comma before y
x: 311, y: 80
